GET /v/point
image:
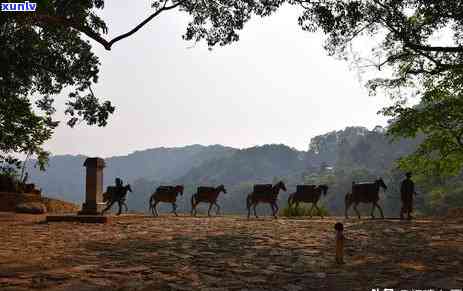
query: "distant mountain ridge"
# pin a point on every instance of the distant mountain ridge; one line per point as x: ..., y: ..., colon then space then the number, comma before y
x: 354, y: 152
x: 65, y: 175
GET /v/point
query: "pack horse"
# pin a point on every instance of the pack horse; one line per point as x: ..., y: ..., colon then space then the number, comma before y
x: 365, y: 193
x: 308, y: 194
x: 167, y: 194
x: 208, y: 195
x: 264, y: 193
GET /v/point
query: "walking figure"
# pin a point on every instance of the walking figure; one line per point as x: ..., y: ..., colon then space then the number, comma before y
x: 407, y: 190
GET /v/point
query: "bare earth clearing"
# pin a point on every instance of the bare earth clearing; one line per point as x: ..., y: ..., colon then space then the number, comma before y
x: 227, y: 253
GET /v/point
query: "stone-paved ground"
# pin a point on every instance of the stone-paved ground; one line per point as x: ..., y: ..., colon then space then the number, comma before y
x: 227, y: 253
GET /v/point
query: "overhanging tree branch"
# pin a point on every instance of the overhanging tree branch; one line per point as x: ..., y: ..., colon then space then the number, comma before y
x: 49, y: 19
x: 143, y: 23
x: 446, y: 49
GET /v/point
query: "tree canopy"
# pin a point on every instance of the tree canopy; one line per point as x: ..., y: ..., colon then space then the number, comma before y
x: 419, y: 45
x: 46, y: 51
x: 416, y: 43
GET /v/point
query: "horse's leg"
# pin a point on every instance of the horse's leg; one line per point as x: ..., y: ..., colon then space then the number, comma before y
x: 120, y: 207
x: 193, y: 208
x: 108, y: 207
x: 311, y: 210
x: 347, y: 210
x: 248, y: 206
x: 218, y: 208
x: 276, y: 209
x: 155, y: 211
x: 380, y: 210
x: 174, y: 208
x: 319, y: 210
x: 255, y: 213
x: 356, y: 210
x: 209, y: 210
x: 373, y: 210
x: 272, y: 207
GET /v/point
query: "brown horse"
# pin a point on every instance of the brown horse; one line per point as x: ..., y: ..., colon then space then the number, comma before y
x: 365, y: 193
x: 208, y: 195
x: 264, y: 193
x: 308, y: 194
x: 166, y: 194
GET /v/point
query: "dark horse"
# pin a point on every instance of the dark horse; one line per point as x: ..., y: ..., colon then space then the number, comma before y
x: 264, y: 193
x: 308, y: 194
x: 113, y: 195
x: 365, y: 193
x: 165, y: 194
x: 208, y: 195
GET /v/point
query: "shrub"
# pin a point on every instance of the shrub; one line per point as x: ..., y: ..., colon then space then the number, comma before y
x: 303, y: 210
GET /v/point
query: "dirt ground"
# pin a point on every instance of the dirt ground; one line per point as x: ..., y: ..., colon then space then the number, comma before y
x: 228, y: 253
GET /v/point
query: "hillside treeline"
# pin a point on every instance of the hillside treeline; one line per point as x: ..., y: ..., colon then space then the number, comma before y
x: 336, y: 158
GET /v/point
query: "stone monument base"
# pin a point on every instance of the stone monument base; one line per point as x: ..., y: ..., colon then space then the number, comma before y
x: 91, y: 208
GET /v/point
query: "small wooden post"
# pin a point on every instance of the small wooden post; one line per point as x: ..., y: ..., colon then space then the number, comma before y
x: 339, y: 227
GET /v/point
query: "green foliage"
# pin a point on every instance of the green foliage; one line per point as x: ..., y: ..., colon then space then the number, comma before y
x: 405, y: 43
x: 439, y: 117
x: 37, y: 61
x: 44, y: 52
x: 22, y: 131
x: 303, y: 210
x: 437, y: 194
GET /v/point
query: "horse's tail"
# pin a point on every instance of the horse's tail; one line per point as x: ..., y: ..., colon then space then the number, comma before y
x: 290, y: 200
x: 193, y: 199
x: 248, y: 201
x: 151, y: 202
x: 347, y: 198
x: 347, y: 201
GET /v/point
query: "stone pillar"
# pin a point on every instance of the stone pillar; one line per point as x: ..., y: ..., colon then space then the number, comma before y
x: 93, y: 187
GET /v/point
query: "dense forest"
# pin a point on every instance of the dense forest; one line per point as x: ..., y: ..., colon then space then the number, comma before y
x: 336, y: 158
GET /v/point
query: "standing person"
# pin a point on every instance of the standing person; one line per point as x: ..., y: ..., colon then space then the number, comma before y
x: 407, y: 190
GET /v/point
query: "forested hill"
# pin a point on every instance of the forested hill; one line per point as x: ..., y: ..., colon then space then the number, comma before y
x: 336, y: 158
x: 252, y: 165
x: 359, y: 147
x: 65, y: 176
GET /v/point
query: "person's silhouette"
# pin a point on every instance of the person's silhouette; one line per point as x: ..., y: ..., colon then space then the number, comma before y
x: 407, y: 190
x: 119, y: 187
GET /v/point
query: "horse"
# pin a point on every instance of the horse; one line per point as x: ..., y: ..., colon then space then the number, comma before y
x: 165, y: 194
x: 308, y: 194
x: 264, y: 193
x: 209, y: 195
x: 113, y: 195
x: 365, y: 193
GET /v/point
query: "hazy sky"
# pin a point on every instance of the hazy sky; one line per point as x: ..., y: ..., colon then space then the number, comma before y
x: 276, y: 85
